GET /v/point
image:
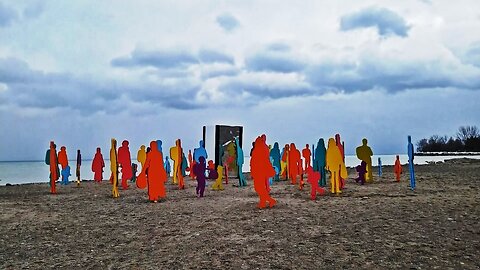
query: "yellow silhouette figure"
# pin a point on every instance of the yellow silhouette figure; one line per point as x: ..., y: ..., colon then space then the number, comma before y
x: 335, y: 165
x: 176, y: 155
x: 364, y: 153
x: 218, y: 183
x: 114, y: 169
x: 142, y: 155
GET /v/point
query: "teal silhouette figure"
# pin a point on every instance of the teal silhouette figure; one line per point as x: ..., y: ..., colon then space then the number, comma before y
x: 240, y: 160
x: 275, y: 157
x: 320, y: 162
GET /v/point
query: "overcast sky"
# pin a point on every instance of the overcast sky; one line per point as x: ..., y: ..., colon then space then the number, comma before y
x: 82, y: 72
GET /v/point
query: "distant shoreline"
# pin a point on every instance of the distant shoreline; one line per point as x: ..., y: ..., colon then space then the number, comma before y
x: 447, y: 154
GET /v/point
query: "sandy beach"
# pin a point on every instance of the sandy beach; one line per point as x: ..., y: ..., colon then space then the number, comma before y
x: 379, y: 225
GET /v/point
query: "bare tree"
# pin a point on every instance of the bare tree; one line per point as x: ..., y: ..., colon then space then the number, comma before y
x: 467, y: 132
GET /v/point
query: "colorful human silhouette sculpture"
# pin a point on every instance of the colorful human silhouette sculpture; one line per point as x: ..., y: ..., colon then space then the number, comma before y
x: 411, y: 154
x: 362, y: 170
x: 285, y: 172
x: 218, y: 182
x: 275, y: 157
x: 320, y: 162
x: 52, y: 161
x: 62, y: 157
x: 168, y: 168
x: 134, y: 172
x: 97, y: 166
x: 200, y: 152
x: 379, y: 167
x: 65, y: 174
x: 191, y: 162
x: 125, y: 162
x: 159, y: 146
x: 242, y: 181
x: 314, y: 179
x: 397, y: 168
x: 294, y: 162
x: 176, y: 156
x: 341, y: 147
x: 157, y: 176
x: 307, y: 154
x: 199, y: 170
x: 79, y: 164
x: 142, y: 155
x: 114, y: 168
x: 184, y: 165
x: 364, y: 152
x: 261, y: 169
x: 336, y: 166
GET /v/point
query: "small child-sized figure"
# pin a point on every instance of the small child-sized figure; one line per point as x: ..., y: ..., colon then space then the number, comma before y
x: 199, y: 171
x: 218, y: 182
x: 397, y: 168
x: 362, y: 170
x: 168, y: 167
x: 65, y: 174
x: 313, y: 179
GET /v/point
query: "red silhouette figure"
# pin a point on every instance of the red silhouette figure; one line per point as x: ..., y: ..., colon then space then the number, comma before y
x: 52, y: 160
x: 340, y: 146
x: 125, y: 161
x: 294, y: 163
x: 313, y: 179
x: 307, y: 154
x: 157, y: 176
x: 261, y: 169
x: 398, y: 169
x: 62, y: 157
x: 97, y: 166
x: 191, y: 163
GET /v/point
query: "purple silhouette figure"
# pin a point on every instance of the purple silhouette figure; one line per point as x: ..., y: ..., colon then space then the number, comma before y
x: 199, y: 171
x: 362, y: 170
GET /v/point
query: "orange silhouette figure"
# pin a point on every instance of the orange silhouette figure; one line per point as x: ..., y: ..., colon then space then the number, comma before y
x: 157, y: 176
x: 313, y: 179
x: 142, y: 155
x: 97, y: 166
x: 261, y: 169
x: 294, y: 162
x: 125, y: 161
x: 62, y: 157
x: 191, y: 163
x: 364, y: 152
x: 307, y: 155
x: 176, y: 156
x: 114, y: 169
x: 52, y: 161
x: 335, y: 165
x: 398, y: 168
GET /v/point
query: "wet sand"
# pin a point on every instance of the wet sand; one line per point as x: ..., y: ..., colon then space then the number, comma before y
x: 379, y: 225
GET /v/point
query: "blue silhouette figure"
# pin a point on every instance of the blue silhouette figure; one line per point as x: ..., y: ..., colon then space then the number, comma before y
x: 159, y: 146
x: 240, y: 160
x: 320, y: 162
x: 379, y: 167
x: 167, y: 166
x: 411, y: 153
x: 200, y: 152
x: 65, y: 174
x: 275, y: 157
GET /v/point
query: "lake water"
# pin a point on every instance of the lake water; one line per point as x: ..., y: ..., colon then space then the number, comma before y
x: 20, y: 172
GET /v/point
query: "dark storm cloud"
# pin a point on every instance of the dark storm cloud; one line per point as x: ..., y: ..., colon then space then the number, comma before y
x: 387, y: 22
x: 228, y: 22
